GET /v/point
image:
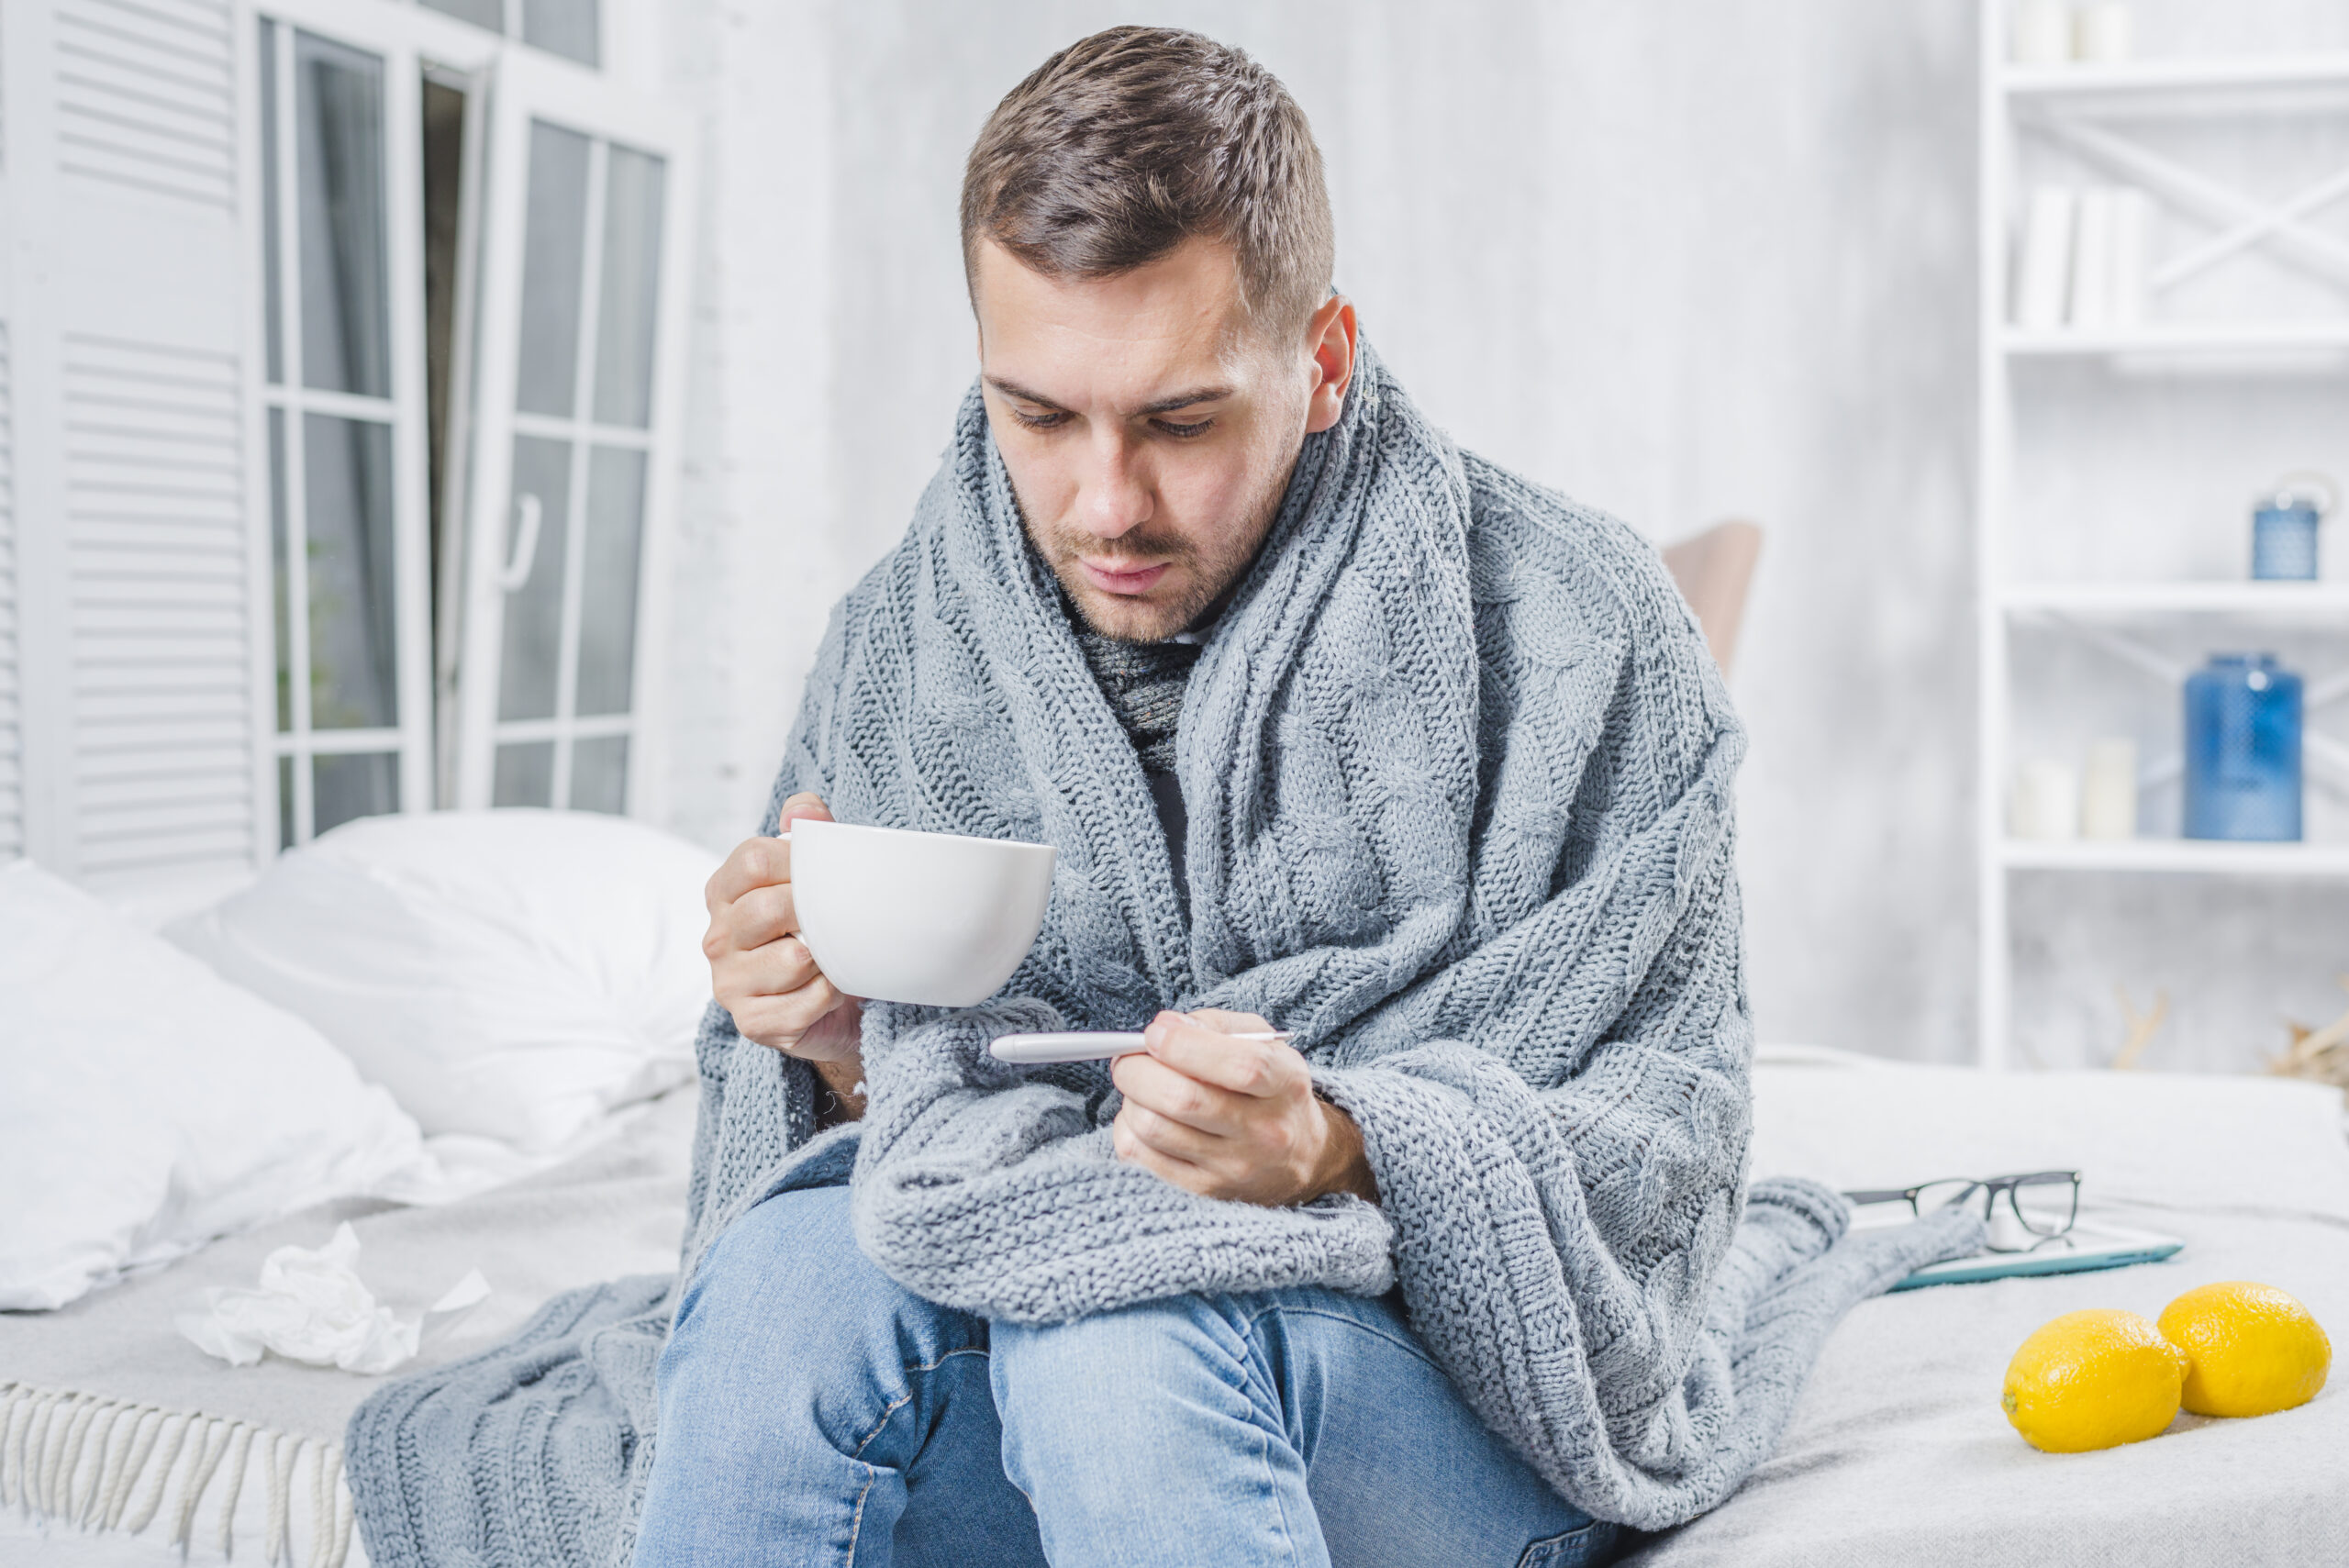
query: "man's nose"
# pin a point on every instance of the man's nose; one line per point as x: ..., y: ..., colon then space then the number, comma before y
x: 1113, y: 494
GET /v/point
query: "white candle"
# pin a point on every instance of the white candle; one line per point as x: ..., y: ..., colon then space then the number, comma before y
x: 2046, y: 802
x: 2100, y: 33
x: 2043, y: 33
x: 2108, y: 797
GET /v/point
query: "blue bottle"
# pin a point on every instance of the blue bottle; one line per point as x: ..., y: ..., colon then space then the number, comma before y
x: 2283, y: 541
x: 2242, y: 749
x: 2284, y: 527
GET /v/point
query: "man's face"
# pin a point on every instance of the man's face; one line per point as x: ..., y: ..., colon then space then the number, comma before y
x: 1148, y: 430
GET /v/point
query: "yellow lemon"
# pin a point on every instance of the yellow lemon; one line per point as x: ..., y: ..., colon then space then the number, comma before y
x: 2093, y: 1380
x: 2255, y: 1348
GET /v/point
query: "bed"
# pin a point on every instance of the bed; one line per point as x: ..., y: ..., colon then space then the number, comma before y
x: 123, y: 1446
x: 618, y: 1208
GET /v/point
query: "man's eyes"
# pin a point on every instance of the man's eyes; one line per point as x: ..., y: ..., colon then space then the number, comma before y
x: 1179, y: 430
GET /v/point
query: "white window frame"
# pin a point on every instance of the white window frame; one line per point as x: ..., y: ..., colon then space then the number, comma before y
x: 400, y: 48
x: 531, y: 86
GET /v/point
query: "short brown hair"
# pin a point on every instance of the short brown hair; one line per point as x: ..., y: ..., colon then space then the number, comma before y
x: 1125, y: 144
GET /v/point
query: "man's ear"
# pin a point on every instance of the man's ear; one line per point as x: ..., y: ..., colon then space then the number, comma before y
x: 1330, y: 338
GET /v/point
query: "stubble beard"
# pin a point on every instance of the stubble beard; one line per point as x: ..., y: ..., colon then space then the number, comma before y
x: 1205, y: 573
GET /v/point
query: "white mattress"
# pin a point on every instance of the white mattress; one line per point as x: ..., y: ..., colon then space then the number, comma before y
x: 1897, y: 1452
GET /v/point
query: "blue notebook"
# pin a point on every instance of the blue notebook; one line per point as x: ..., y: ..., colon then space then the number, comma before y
x: 2083, y: 1247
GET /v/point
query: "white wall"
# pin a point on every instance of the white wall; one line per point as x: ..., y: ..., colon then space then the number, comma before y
x: 1682, y: 262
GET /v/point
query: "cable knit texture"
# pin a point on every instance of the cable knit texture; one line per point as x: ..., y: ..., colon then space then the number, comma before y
x: 1145, y: 682
x: 1458, y: 771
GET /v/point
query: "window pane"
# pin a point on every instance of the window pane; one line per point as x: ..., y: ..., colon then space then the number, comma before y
x: 444, y: 154
x: 281, y: 562
x: 365, y: 784
x: 631, y: 288
x: 607, y: 573
x: 490, y: 14
x: 346, y: 495
x: 284, y: 803
x: 272, y: 286
x: 525, y: 774
x: 562, y: 26
x: 599, y: 774
x: 554, y: 247
x: 533, y: 636
x: 338, y: 154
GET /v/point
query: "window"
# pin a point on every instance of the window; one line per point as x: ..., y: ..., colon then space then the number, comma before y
x: 568, y: 27
x: 572, y: 428
x: 348, y: 733
x: 468, y: 279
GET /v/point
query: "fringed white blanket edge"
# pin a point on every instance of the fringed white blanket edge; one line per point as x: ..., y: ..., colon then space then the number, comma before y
x: 97, y: 1464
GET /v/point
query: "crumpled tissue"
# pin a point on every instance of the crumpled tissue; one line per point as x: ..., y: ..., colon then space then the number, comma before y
x: 310, y: 1306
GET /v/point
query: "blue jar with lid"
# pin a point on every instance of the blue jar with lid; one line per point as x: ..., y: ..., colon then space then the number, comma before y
x: 2284, y: 527
x: 2243, y: 750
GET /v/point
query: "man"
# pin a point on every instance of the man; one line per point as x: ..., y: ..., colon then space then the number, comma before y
x: 1336, y: 729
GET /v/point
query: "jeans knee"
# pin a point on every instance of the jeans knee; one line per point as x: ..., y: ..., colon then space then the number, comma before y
x: 791, y: 1251
x: 1075, y: 1376
x: 785, y: 1320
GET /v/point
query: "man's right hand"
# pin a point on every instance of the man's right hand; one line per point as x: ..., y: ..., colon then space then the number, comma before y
x: 760, y: 969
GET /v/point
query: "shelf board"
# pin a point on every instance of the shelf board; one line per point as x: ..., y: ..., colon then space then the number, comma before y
x: 2187, y: 74
x: 2327, y: 334
x: 2316, y: 600
x: 2190, y: 855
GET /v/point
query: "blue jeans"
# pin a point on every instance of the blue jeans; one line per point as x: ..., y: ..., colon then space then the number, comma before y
x: 813, y: 1411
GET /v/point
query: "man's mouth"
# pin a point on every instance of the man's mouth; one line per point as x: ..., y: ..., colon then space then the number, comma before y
x: 1119, y: 579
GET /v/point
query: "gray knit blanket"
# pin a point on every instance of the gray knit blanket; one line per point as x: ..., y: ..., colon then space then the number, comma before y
x: 1458, y: 777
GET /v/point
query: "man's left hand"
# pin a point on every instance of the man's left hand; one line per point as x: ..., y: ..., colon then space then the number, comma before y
x: 1234, y: 1118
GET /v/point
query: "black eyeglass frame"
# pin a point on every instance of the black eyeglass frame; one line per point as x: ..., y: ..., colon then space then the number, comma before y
x: 1990, y: 1188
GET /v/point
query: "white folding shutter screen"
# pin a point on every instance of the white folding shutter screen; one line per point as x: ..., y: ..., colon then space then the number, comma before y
x: 137, y: 563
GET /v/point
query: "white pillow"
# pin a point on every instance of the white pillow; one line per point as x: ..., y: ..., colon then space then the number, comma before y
x: 515, y: 974
x: 147, y: 1105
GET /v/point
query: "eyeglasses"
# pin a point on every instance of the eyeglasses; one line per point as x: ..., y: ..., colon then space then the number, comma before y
x: 2057, y: 1192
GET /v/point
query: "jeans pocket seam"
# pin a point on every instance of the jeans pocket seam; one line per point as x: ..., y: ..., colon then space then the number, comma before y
x: 1552, y: 1549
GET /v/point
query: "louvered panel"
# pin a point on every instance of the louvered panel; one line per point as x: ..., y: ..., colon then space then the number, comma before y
x: 148, y: 649
x: 162, y: 695
x: 141, y: 745
x: 11, y: 781
x: 192, y: 790
x: 158, y: 813
x: 190, y: 758
x: 156, y: 701
x: 112, y: 587
x: 123, y: 576
x: 145, y: 96
x: 141, y: 850
x: 180, y: 538
x: 97, y: 678
x: 104, y: 615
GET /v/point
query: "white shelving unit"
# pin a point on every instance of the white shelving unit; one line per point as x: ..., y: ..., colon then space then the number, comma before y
x: 2114, y: 118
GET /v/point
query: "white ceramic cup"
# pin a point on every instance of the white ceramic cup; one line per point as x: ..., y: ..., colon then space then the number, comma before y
x: 932, y: 919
